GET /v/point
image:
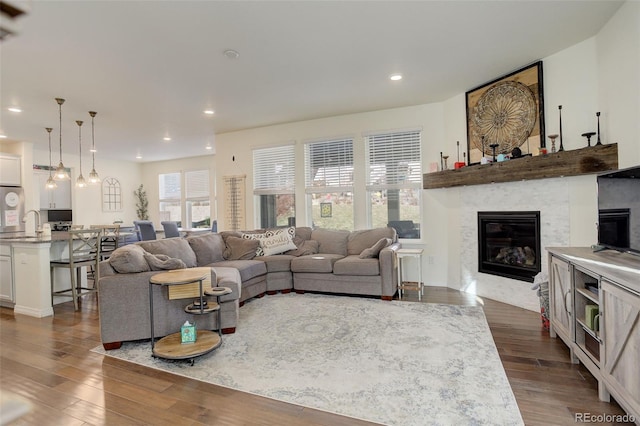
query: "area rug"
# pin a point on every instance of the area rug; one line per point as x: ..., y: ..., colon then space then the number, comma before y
x: 395, y: 363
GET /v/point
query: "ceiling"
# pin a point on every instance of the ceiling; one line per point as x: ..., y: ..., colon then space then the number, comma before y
x: 150, y: 68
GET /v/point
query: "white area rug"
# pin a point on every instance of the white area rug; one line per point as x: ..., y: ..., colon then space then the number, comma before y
x: 396, y: 363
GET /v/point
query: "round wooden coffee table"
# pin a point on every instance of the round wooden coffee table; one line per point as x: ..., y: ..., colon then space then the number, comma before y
x: 171, y: 346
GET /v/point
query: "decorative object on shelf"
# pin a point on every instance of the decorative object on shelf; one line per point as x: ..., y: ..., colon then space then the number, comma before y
x: 458, y: 164
x: 188, y: 333
x: 93, y: 175
x: 142, y: 203
x: 61, y: 172
x: 516, y: 152
x: 507, y: 111
x: 560, y: 113
x: 80, y: 182
x: 598, y: 115
x: 493, y: 147
x: 441, y: 162
x: 553, y: 142
x: 588, y: 136
x: 51, y: 183
x: 445, y: 158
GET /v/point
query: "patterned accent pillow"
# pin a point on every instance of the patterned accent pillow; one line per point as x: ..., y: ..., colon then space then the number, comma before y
x: 269, y: 234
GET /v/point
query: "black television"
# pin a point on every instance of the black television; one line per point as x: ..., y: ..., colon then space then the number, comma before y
x: 65, y: 215
x: 619, y: 210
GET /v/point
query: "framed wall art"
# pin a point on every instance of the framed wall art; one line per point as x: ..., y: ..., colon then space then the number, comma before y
x: 505, y: 114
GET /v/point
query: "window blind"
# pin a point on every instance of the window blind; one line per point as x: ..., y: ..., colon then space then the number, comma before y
x: 196, y: 184
x: 329, y: 165
x: 394, y: 160
x: 274, y: 170
x: 169, y: 186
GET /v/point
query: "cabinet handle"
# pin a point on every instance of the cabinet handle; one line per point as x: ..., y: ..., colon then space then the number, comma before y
x: 566, y: 307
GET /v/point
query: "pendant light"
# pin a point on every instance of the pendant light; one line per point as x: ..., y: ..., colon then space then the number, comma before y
x: 51, y: 183
x: 93, y: 175
x: 80, y: 182
x: 61, y: 172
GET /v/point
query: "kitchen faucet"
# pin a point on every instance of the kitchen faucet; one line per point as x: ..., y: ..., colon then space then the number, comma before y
x: 37, y: 214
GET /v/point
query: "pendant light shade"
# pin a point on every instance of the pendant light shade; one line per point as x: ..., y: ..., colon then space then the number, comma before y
x: 61, y: 172
x: 51, y: 183
x: 93, y: 175
x: 80, y: 182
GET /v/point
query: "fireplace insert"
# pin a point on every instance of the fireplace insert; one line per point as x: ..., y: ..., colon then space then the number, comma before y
x: 509, y: 244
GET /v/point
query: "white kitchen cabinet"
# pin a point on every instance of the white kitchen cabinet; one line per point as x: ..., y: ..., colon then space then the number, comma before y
x: 58, y: 198
x: 7, y: 289
x: 10, y: 166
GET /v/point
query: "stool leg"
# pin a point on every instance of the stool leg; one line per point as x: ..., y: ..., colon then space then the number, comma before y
x: 51, y: 273
x: 74, y: 290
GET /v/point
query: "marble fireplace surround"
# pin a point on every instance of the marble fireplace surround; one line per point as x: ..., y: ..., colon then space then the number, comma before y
x: 551, y: 197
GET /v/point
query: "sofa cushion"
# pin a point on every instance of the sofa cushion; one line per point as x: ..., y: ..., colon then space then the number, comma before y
x: 374, y: 250
x: 277, y: 263
x: 208, y: 248
x: 129, y: 259
x: 177, y: 248
x: 240, y: 248
x: 248, y: 268
x: 366, y: 238
x: 332, y: 241
x: 315, y: 263
x: 354, y: 265
x: 304, y: 248
x: 160, y: 262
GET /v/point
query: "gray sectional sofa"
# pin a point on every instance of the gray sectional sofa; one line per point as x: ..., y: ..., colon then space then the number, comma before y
x: 263, y: 261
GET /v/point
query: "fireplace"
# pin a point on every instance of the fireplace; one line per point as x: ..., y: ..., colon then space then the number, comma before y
x: 509, y: 244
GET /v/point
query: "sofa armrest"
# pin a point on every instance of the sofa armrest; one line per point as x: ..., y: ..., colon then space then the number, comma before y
x: 389, y: 269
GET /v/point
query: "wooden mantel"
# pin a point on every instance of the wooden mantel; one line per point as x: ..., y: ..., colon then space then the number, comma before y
x: 593, y: 159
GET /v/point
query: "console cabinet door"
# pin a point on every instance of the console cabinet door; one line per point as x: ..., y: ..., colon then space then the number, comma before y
x: 561, y: 298
x: 620, y: 329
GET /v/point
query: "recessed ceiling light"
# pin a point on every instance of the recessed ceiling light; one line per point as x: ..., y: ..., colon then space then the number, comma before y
x: 166, y: 138
x: 208, y: 147
x: 15, y: 109
x: 138, y: 157
x: 395, y: 77
x: 231, y: 54
x: 209, y: 111
x: 3, y: 136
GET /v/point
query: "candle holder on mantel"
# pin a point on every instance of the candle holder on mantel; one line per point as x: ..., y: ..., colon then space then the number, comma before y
x: 553, y: 142
x: 493, y: 147
x: 445, y: 157
x: 588, y: 136
x: 598, y: 115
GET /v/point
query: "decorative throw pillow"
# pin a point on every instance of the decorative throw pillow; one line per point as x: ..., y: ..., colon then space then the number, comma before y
x: 240, y: 248
x: 307, y: 247
x: 374, y: 250
x: 277, y: 243
x: 129, y: 259
x: 159, y: 262
x: 258, y: 237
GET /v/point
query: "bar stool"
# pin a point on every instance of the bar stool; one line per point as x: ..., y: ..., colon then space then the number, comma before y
x: 84, y: 251
x: 404, y: 285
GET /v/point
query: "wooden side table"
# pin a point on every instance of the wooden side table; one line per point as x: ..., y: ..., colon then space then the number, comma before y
x: 410, y: 285
x: 170, y: 347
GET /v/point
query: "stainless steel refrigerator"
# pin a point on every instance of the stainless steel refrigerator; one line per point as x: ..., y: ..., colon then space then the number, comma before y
x: 11, y: 209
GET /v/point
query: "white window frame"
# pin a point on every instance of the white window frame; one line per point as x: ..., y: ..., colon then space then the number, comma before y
x: 274, y: 173
x: 183, y: 198
x: 340, y: 179
x: 396, y: 145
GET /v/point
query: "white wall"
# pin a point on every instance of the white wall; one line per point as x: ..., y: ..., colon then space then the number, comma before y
x: 87, y: 202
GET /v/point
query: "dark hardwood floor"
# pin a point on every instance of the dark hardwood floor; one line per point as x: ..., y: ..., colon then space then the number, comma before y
x: 48, y: 361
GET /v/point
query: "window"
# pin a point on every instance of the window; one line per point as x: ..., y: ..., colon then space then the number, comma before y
x: 198, y: 209
x: 273, y: 185
x: 329, y: 183
x: 194, y: 206
x: 394, y: 180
